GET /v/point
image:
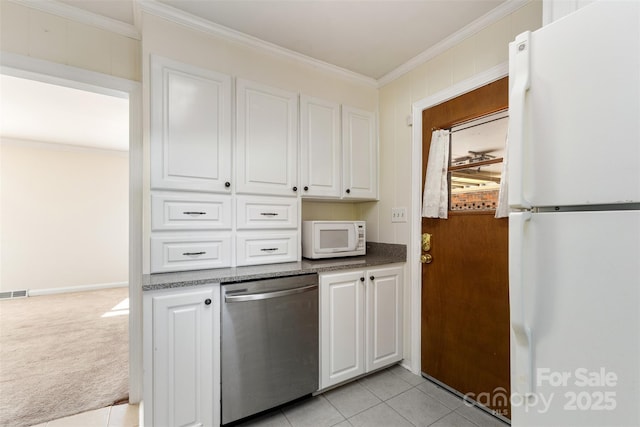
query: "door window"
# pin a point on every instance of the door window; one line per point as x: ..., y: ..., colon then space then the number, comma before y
x: 475, y: 166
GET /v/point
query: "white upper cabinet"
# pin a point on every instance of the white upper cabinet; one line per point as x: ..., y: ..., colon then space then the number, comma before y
x: 320, y: 148
x: 267, y: 140
x: 190, y: 127
x: 360, y: 154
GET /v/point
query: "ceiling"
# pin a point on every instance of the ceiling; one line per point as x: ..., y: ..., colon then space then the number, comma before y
x: 42, y: 112
x: 368, y: 37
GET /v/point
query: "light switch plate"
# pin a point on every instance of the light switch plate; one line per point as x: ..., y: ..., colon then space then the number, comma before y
x: 398, y: 214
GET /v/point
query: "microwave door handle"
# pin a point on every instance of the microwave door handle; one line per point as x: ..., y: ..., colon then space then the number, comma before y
x: 355, y: 237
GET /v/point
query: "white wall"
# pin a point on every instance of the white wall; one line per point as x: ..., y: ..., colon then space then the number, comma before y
x: 42, y: 35
x: 64, y: 216
x: 238, y: 60
x: 552, y: 10
x: 480, y: 52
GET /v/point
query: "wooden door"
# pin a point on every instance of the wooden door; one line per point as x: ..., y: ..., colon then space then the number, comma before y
x: 465, y: 290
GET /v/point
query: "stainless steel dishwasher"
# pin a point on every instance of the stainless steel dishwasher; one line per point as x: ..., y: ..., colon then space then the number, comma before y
x: 269, y: 344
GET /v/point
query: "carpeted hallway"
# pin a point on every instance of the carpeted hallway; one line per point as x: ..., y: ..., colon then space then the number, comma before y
x: 62, y: 354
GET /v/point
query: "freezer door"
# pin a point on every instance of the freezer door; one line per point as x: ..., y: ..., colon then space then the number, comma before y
x: 575, y: 304
x: 574, y: 135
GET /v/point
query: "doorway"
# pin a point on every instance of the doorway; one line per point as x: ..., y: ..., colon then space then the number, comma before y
x: 65, y: 209
x: 58, y: 74
x: 465, y: 306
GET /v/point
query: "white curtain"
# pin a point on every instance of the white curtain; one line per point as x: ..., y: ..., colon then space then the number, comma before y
x: 435, y: 199
x: 502, y: 210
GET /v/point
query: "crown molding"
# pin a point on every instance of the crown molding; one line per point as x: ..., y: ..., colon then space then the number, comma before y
x: 484, y: 21
x: 194, y: 22
x: 80, y: 15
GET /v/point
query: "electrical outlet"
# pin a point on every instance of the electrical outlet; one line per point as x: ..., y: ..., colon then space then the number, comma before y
x: 398, y: 214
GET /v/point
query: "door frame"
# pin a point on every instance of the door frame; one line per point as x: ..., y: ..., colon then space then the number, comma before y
x: 415, y: 247
x: 59, y: 74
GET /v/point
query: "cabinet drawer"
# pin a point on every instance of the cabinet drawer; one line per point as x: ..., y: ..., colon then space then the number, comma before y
x: 266, y: 212
x: 178, y: 253
x: 267, y: 248
x: 190, y: 212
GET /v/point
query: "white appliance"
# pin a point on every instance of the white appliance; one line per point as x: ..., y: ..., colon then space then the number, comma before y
x: 574, y: 230
x: 329, y: 239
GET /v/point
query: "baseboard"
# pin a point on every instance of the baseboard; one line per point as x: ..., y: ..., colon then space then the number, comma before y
x: 80, y: 288
x: 407, y: 365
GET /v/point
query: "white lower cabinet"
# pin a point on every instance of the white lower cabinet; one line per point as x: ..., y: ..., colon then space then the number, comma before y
x: 182, y: 354
x: 360, y: 322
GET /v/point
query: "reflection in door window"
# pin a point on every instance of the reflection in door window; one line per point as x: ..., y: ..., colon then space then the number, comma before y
x: 476, y: 154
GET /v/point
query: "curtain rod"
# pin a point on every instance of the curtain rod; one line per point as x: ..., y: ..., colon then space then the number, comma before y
x: 471, y: 126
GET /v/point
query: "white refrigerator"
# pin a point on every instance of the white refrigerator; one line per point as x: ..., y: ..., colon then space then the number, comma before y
x: 574, y: 226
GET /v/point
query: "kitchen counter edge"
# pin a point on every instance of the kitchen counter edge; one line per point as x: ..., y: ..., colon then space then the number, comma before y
x: 377, y: 254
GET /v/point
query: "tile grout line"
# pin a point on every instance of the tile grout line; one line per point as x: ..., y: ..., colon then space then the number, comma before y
x: 285, y: 417
x: 337, y: 410
x: 401, y: 416
x: 451, y: 411
x: 410, y: 422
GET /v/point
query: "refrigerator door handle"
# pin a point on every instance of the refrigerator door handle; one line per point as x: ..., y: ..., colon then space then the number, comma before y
x: 519, y: 69
x: 522, y: 372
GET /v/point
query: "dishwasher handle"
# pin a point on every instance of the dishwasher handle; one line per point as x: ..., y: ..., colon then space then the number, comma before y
x: 268, y: 295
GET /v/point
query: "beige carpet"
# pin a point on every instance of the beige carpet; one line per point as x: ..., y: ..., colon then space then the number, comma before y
x: 59, y: 356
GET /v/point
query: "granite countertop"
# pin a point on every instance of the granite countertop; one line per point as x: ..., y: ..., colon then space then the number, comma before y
x: 377, y: 254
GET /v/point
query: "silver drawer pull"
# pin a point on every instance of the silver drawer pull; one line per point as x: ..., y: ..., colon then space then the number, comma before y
x: 268, y: 249
x: 193, y: 253
x: 194, y: 213
x: 268, y: 214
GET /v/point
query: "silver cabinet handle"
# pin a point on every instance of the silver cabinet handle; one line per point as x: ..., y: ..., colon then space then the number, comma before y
x: 193, y: 253
x: 268, y: 295
x: 194, y: 213
x: 268, y: 214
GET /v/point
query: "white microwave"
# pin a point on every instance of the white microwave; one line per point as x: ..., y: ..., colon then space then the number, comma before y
x: 328, y: 239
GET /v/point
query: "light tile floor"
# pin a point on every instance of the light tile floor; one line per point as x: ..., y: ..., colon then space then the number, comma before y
x: 112, y: 416
x: 391, y: 398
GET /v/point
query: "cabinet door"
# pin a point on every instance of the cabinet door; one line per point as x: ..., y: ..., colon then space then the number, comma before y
x: 384, y: 317
x: 320, y: 148
x: 360, y: 154
x: 341, y: 327
x: 185, y: 391
x: 267, y: 130
x: 190, y: 127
